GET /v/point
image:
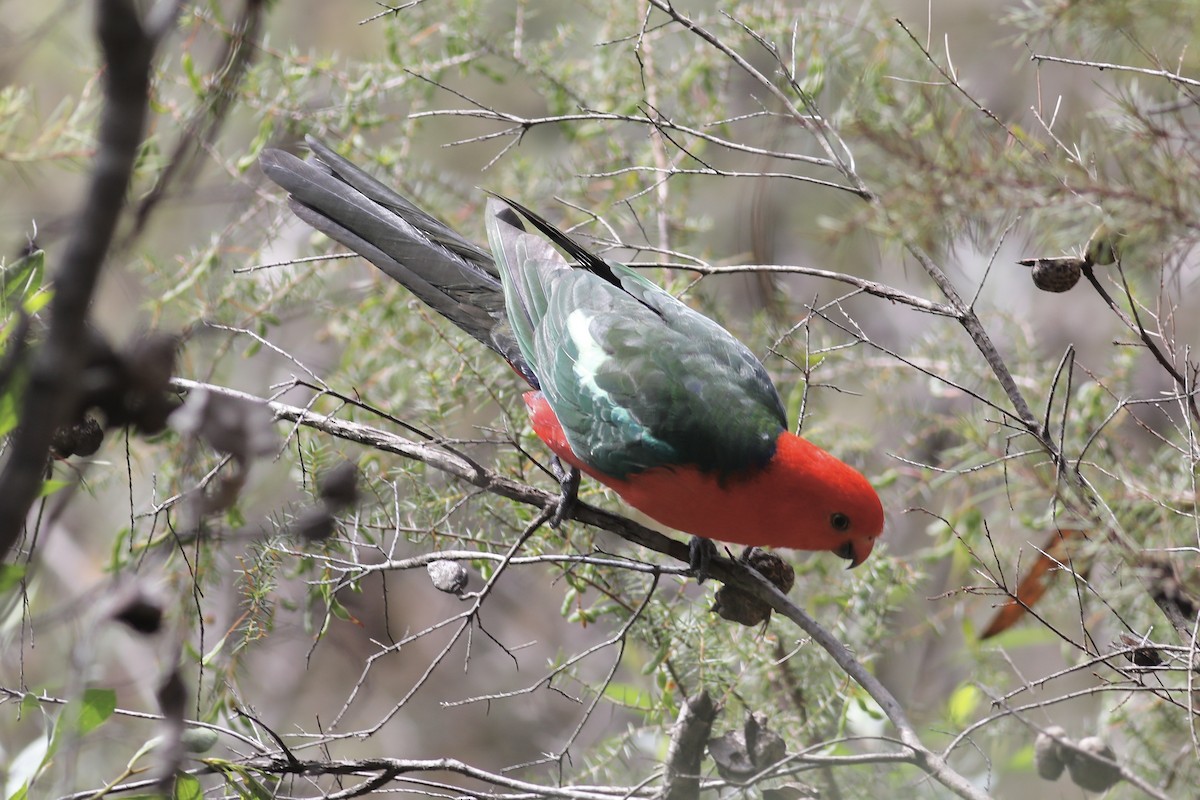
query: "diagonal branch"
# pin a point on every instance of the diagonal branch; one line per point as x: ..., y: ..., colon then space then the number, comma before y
x: 875, y: 288
x: 1134, y: 323
x: 1173, y: 77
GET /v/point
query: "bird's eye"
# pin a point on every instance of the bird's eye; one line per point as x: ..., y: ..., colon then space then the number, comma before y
x: 839, y: 521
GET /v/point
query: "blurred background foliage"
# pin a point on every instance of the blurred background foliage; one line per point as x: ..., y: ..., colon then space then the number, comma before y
x: 977, y: 151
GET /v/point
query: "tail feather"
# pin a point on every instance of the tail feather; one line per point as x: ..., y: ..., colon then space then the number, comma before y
x: 450, y: 274
x: 431, y: 227
x: 526, y: 262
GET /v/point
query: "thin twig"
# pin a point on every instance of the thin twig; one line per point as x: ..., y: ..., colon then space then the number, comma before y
x: 1174, y: 77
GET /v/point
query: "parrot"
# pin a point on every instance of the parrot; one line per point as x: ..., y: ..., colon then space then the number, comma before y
x: 627, y: 383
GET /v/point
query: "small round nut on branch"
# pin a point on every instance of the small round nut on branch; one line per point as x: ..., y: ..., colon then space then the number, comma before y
x: 1061, y: 273
x: 1055, y: 274
x: 338, y: 486
x: 1092, y: 767
x: 738, y: 606
x: 137, y: 609
x: 739, y: 755
x: 1048, y: 753
x: 337, y: 490
x: 1091, y: 763
x: 198, y: 740
x: 1143, y: 653
x: 448, y: 576
x: 81, y: 438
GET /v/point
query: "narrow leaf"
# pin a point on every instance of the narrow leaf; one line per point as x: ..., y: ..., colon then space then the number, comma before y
x: 96, y: 707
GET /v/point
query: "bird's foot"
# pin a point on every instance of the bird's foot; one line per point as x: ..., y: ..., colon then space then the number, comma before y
x: 701, y: 552
x: 568, y: 483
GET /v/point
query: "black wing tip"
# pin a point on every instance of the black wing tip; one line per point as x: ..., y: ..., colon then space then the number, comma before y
x: 584, y: 257
x: 288, y: 171
x: 510, y: 217
x: 324, y: 158
x: 322, y: 151
x: 277, y: 158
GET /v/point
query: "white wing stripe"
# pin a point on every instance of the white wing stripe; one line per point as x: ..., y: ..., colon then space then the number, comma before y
x: 591, y: 355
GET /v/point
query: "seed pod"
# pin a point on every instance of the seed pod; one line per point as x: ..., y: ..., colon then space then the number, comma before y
x: 1048, y: 753
x: 1105, y: 245
x: 198, y: 740
x: 772, y: 567
x: 765, y: 746
x: 448, y: 576
x: 82, y: 438
x: 741, y: 754
x: 745, y: 609
x: 1089, y: 772
x: 314, y: 524
x: 1143, y: 654
x: 1055, y: 274
x: 337, y: 486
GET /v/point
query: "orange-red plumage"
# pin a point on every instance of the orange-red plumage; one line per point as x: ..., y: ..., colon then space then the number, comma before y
x: 789, y: 503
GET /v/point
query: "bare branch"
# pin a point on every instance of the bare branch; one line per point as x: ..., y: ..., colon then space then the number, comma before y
x: 870, y: 287
x: 689, y: 737
x: 1104, y: 65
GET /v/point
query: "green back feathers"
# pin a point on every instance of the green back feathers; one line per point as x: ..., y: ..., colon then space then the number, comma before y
x: 636, y: 378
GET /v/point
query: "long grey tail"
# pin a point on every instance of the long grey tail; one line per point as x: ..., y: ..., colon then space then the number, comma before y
x: 451, y: 275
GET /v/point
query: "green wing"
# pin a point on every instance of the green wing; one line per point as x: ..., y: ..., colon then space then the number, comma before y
x: 637, y: 379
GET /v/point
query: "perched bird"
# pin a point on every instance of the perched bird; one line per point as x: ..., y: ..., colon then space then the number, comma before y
x: 629, y: 385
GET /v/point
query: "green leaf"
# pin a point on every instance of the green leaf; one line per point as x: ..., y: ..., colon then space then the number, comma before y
x: 9, y: 403
x: 1019, y: 636
x: 96, y: 706
x: 241, y: 781
x: 255, y: 790
x: 51, y: 486
x: 147, y: 746
x: 570, y: 597
x: 37, y: 301
x: 630, y: 696
x: 1022, y: 760
x: 21, y: 279
x: 660, y: 655
x: 30, y: 704
x: 962, y: 704
x: 214, y: 652
x: 867, y: 705
x: 338, y: 610
x: 10, y: 576
x: 195, y: 81
x: 187, y: 787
